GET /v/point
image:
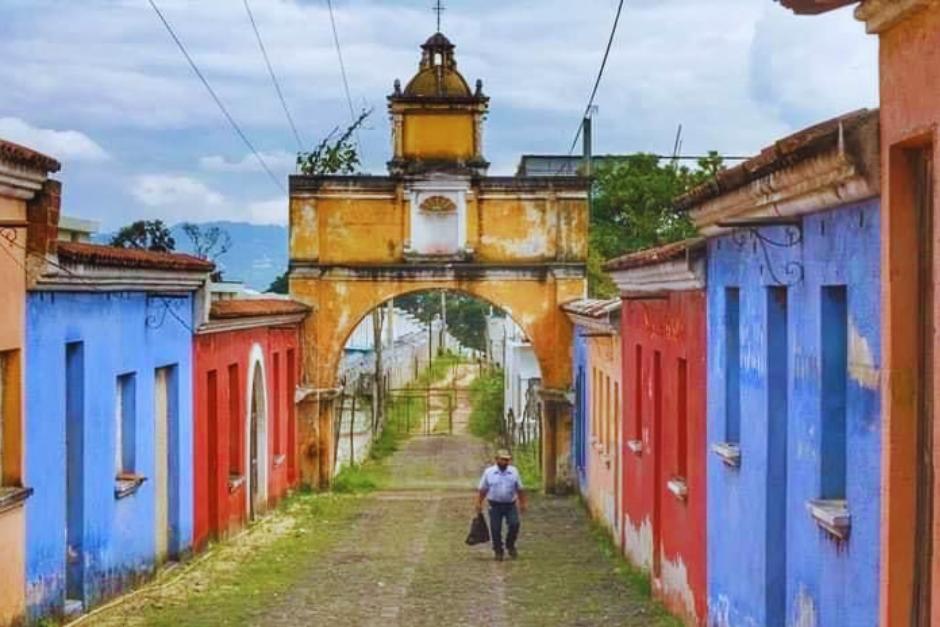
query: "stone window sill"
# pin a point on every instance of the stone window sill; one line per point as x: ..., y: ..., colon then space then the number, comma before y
x: 729, y: 453
x: 127, y: 484
x: 833, y: 516
x: 235, y: 482
x: 13, y: 497
x: 635, y: 446
x: 679, y: 488
x: 279, y: 460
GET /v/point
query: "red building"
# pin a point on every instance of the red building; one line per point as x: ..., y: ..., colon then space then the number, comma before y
x: 247, y: 365
x: 663, y: 331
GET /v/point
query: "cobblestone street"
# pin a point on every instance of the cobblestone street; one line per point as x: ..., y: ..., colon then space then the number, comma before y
x: 397, y: 557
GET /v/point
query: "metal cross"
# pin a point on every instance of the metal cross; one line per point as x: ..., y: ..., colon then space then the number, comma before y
x: 439, y: 9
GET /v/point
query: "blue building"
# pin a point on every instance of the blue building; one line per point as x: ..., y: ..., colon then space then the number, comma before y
x: 581, y: 420
x: 794, y: 407
x: 109, y: 422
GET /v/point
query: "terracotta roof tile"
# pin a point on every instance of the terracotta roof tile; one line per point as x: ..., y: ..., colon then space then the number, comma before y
x: 21, y: 155
x: 653, y: 256
x: 813, y: 7
x: 592, y: 307
x: 807, y: 143
x: 255, y: 307
x: 111, y: 256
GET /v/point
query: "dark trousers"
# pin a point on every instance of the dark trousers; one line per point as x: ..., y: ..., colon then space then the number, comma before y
x: 498, y: 513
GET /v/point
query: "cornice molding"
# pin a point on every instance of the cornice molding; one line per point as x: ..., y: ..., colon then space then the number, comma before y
x: 815, y: 184
x: 81, y: 278
x: 881, y: 15
x: 677, y: 275
x: 241, y: 324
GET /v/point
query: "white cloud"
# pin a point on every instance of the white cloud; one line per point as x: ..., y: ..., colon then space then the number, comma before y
x: 279, y: 161
x: 61, y: 145
x: 272, y: 211
x: 177, y: 198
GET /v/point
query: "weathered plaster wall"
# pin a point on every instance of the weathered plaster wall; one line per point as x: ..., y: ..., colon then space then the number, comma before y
x: 675, y: 528
x: 219, y: 510
x: 438, y: 135
x: 910, y: 114
x: 580, y: 417
x: 602, y: 495
x: 118, y: 543
x: 762, y: 539
x: 13, y: 299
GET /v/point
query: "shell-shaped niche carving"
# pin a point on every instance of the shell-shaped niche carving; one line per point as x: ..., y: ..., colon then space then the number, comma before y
x: 438, y: 204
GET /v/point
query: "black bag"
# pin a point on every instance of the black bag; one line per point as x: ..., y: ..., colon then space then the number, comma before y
x: 479, y: 532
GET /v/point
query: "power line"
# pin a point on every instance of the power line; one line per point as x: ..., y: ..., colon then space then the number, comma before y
x: 342, y: 69
x: 277, y: 84
x: 600, y: 75
x: 215, y: 97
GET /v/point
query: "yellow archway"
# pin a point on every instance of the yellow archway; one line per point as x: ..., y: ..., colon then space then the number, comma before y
x: 435, y: 222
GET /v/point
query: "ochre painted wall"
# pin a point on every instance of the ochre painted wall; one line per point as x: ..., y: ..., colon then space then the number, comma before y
x: 675, y: 328
x: 12, y: 308
x: 438, y: 135
x: 910, y: 114
x: 602, y: 378
x: 219, y: 510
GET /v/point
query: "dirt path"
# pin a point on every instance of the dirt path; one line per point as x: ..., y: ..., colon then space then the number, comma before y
x: 397, y: 557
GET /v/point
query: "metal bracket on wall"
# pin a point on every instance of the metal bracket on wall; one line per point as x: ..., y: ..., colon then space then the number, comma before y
x: 159, y: 306
x: 749, y: 231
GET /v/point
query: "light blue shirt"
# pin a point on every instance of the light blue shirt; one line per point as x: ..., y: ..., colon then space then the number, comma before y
x: 501, y: 486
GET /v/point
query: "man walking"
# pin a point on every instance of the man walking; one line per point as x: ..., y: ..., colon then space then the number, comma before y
x: 501, y: 486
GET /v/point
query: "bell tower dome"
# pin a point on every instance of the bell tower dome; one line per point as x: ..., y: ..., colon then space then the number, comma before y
x: 437, y: 120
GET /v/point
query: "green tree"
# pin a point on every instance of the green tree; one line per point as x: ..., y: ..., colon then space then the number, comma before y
x: 336, y: 153
x: 145, y: 235
x: 279, y: 285
x: 209, y: 242
x: 633, y: 209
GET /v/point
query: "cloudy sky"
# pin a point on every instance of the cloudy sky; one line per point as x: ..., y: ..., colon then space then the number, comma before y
x: 100, y: 85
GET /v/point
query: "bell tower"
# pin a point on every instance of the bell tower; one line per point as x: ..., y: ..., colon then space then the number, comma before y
x: 437, y: 120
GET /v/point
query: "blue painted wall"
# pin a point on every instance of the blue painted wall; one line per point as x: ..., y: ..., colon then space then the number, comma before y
x: 759, y: 526
x: 582, y: 424
x: 120, y: 333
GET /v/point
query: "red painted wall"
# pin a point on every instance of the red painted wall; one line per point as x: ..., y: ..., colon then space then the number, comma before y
x: 654, y: 516
x: 217, y: 356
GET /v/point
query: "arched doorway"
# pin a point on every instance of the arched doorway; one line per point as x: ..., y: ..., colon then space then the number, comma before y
x: 256, y: 428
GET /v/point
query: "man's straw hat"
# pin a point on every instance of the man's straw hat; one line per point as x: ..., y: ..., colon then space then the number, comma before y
x: 503, y: 454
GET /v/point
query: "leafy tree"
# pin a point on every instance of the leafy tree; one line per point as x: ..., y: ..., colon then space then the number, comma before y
x: 279, y: 285
x: 145, y: 235
x: 633, y: 209
x: 466, y: 315
x: 335, y: 154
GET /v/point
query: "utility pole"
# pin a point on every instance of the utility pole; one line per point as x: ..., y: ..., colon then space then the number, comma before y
x: 443, y: 321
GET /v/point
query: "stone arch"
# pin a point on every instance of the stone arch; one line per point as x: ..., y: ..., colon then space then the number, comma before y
x: 532, y: 303
x: 256, y: 431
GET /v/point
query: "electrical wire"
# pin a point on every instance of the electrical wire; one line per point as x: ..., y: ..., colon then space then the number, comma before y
x: 600, y: 75
x: 277, y: 84
x: 216, y: 98
x: 342, y: 70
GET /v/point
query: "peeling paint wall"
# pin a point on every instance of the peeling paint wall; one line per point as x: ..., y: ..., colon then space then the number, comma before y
x: 910, y: 115
x: 759, y: 528
x: 675, y: 329
x: 219, y: 509
x: 119, y: 535
x: 13, y: 297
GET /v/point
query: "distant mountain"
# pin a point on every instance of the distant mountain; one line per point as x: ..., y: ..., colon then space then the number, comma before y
x: 258, y: 254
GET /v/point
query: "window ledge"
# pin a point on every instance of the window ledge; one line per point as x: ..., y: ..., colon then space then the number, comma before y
x: 833, y: 516
x: 729, y: 453
x: 679, y: 488
x: 235, y: 482
x: 13, y: 497
x: 127, y: 484
x: 279, y: 460
x: 635, y: 446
